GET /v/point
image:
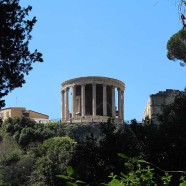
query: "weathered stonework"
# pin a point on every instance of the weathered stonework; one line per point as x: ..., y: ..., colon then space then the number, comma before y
x: 93, y: 99
x: 156, y: 103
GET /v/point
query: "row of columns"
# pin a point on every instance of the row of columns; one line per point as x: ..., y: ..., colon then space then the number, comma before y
x: 65, y: 101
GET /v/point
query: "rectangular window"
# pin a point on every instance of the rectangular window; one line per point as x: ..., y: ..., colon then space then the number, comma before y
x: 26, y: 114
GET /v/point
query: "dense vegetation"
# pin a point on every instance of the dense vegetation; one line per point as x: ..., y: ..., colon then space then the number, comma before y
x: 34, y: 154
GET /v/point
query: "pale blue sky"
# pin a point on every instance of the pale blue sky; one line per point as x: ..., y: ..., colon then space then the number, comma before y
x: 121, y: 39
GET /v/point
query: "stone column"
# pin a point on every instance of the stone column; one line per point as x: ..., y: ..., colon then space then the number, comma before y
x: 63, y: 104
x: 66, y: 104
x: 119, y: 103
x: 94, y: 99
x: 104, y: 100
x: 113, y: 103
x: 82, y: 100
x: 74, y: 101
x: 122, y: 105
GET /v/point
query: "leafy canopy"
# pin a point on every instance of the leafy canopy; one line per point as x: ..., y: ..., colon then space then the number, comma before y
x: 176, y: 46
x: 15, y: 57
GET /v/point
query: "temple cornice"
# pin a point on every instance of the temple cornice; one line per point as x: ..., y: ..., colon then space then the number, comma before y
x: 93, y: 80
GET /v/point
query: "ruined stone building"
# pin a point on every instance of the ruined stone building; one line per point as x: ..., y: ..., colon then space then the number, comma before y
x: 92, y: 99
x: 156, y: 103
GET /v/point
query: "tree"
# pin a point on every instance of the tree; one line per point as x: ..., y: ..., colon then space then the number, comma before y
x: 136, y: 172
x: 15, y: 166
x: 27, y: 132
x: 165, y: 142
x: 96, y: 157
x: 173, y: 130
x: 15, y: 57
x: 176, y: 46
x: 181, y: 5
x: 52, y: 158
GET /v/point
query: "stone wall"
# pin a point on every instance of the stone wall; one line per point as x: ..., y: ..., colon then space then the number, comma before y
x: 156, y: 103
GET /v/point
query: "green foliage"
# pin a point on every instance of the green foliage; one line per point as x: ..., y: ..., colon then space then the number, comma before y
x: 26, y: 131
x: 15, y: 57
x: 102, y: 151
x: 9, y: 151
x: 70, y: 181
x: 165, y: 142
x: 15, y: 167
x: 176, y: 46
x: 166, y: 179
x: 172, y: 132
x: 183, y: 184
x: 52, y: 157
x: 94, y: 156
x: 137, y: 172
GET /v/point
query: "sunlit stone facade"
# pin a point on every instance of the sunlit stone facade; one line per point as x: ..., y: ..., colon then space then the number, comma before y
x: 92, y: 99
x: 156, y: 103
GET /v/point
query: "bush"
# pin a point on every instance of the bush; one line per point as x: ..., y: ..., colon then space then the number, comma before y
x: 52, y: 157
